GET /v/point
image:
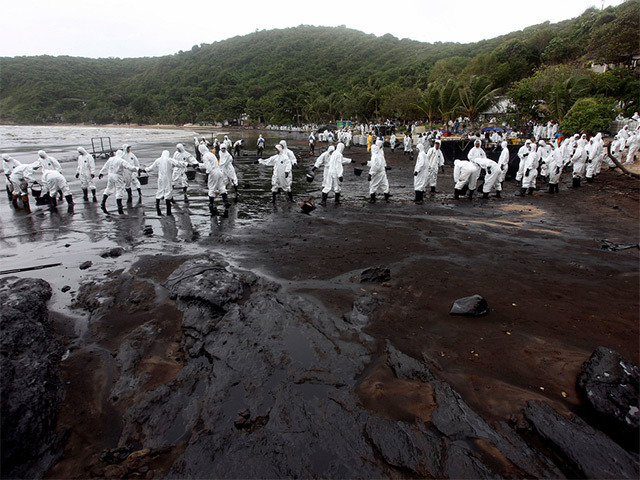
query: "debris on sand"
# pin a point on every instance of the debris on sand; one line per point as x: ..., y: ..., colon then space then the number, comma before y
x: 473, y: 306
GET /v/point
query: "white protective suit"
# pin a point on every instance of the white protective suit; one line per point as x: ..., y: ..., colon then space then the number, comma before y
x: 21, y: 176
x: 48, y: 162
x: 503, y: 161
x: 523, y: 153
x: 165, y: 165
x: 215, y: 177
x: 545, y: 152
x: 377, y: 171
x: 292, y: 160
x: 179, y: 174
x: 555, y: 164
x: 8, y: 164
x: 633, y: 142
x: 281, y: 164
x: 323, y: 161
x: 335, y: 170
x: 408, y: 147
x: 114, y: 169
x: 421, y: 171
x: 392, y: 141
x: 435, y: 160
x: 492, y: 174
x: 86, y: 170
x: 465, y: 173
x: 226, y: 165
x: 579, y: 160
x: 130, y: 177
x: 476, y: 152
x: 54, y: 182
x: 531, y: 165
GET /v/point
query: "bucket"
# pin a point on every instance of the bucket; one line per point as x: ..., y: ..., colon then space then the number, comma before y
x: 191, y: 174
x: 143, y: 178
x: 36, y: 189
x: 357, y: 172
x: 307, y: 207
x: 310, y: 177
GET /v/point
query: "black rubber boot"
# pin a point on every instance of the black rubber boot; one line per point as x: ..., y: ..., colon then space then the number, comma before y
x: 9, y: 194
x: 589, y: 179
x: 386, y: 197
x: 235, y: 189
x: 69, y: 200
x: 550, y: 188
x: 139, y: 195
x: 418, y: 197
x: 522, y: 193
x: 168, y: 204
x: 85, y: 194
x: 290, y: 196
x: 498, y: 194
x: 25, y: 203
x: 470, y: 194
x: 273, y: 197
x: 129, y: 195
x: 120, y: 207
x: 456, y: 193
x: 184, y: 191
x: 158, y: 211
x: 556, y: 188
x: 53, y: 204
x: 103, y: 205
x: 576, y: 182
x: 225, y: 200
x: 530, y: 191
x: 213, y: 211
x: 323, y: 202
x: 485, y: 194
x: 337, y: 199
x: 433, y: 189
x: 372, y: 199
x: 93, y: 192
x: 14, y: 200
x: 61, y: 195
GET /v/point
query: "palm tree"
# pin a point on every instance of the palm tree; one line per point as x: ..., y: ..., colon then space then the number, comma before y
x: 564, y: 94
x: 449, y: 100
x: 477, y: 96
x: 430, y: 102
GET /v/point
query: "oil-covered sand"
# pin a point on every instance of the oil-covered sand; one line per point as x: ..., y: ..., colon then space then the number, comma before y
x: 554, y: 295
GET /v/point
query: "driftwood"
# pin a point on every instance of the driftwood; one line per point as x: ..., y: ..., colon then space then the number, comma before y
x: 618, y: 164
x: 26, y: 269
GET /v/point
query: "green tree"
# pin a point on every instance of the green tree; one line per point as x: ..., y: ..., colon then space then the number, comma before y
x: 589, y: 115
x: 477, y: 96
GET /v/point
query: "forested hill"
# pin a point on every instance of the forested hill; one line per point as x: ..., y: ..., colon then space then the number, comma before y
x: 302, y: 74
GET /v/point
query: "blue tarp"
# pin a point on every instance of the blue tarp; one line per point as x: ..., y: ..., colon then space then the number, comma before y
x: 492, y: 129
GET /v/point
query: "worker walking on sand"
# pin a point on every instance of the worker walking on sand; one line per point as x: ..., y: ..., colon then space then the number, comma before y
x: 131, y: 177
x: 260, y: 146
x: 420, y: 174
x: 503, y: 165
x: 408, y: 146
x: 215, y: 180
x: 323, y: 161
x: 86, y: 172
x: 292, y: 159
x: 281, y: 171
x: 530, y: 173
x: 179, y: 175
x: 435, y: 162
x: 378, y: 173
x: 114, y: 169
x: 165, y: 165
x: 8, y: 164
x: 334, y: 175
x: 229, y: 172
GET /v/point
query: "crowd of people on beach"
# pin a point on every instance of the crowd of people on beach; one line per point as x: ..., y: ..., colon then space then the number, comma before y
x: 546, y: 156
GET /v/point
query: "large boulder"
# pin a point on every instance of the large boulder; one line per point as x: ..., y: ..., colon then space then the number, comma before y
x: 610, y: 386
x: 32, y: 389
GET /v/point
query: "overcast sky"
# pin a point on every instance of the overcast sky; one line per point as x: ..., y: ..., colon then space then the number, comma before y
x: 149, y: 28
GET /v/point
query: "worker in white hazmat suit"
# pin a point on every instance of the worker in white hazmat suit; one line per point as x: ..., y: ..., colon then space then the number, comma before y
x: 229, y: 172
x: 292, y: 159
x: 554, y: 167
x: 131, y: 177
x: 465, y: 176
x: 435, y: 162
x: 491, y: 177
x: 281, y: 164
x: 633, y: 142
x: 579, y: 162
x: 86, y: 172
x: 420, y: 174
x: 392, y: 141
x: 165, y: 165
x: 48, y: 162
x: 8, y: 164
x: 260, y: 146
x: 530, y: 173
x: 523, y: 153
x: 334, y: 175
x: 215, y: 179
x: 237, y: 147
x: 378, y: 173
x: 20, y: 178
x: 55, y: 184
x: 323, y: 162
x: 114, y: 169
x: 179, y: 174
x: 503, y: 164
x: 408, y: 146
x: 475, y: 155
x: 545, y: 151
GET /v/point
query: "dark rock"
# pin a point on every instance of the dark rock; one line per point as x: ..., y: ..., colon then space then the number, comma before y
x: 85, y: 265
x: 148, y: 230
x: 591, y: 453
x: 113, y: 252
x: 32, y: 389
x: 362, y: 309
x: 65, y: 289
x: 473, y: 306
x: 375, y: 275
x: 610, y: 386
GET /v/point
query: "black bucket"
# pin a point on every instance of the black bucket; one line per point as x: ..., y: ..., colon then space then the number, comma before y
x: 143, y: 178
x: 307, y: 207
x: 357, y: 172
x: 36, y: 190
x: 310, y: 177
x: 191, y: 174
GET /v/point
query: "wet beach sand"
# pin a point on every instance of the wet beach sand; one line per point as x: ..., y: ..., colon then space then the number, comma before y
x: 554, y: 293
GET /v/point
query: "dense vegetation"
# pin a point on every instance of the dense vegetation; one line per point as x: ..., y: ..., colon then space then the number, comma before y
x: 320, y: 74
